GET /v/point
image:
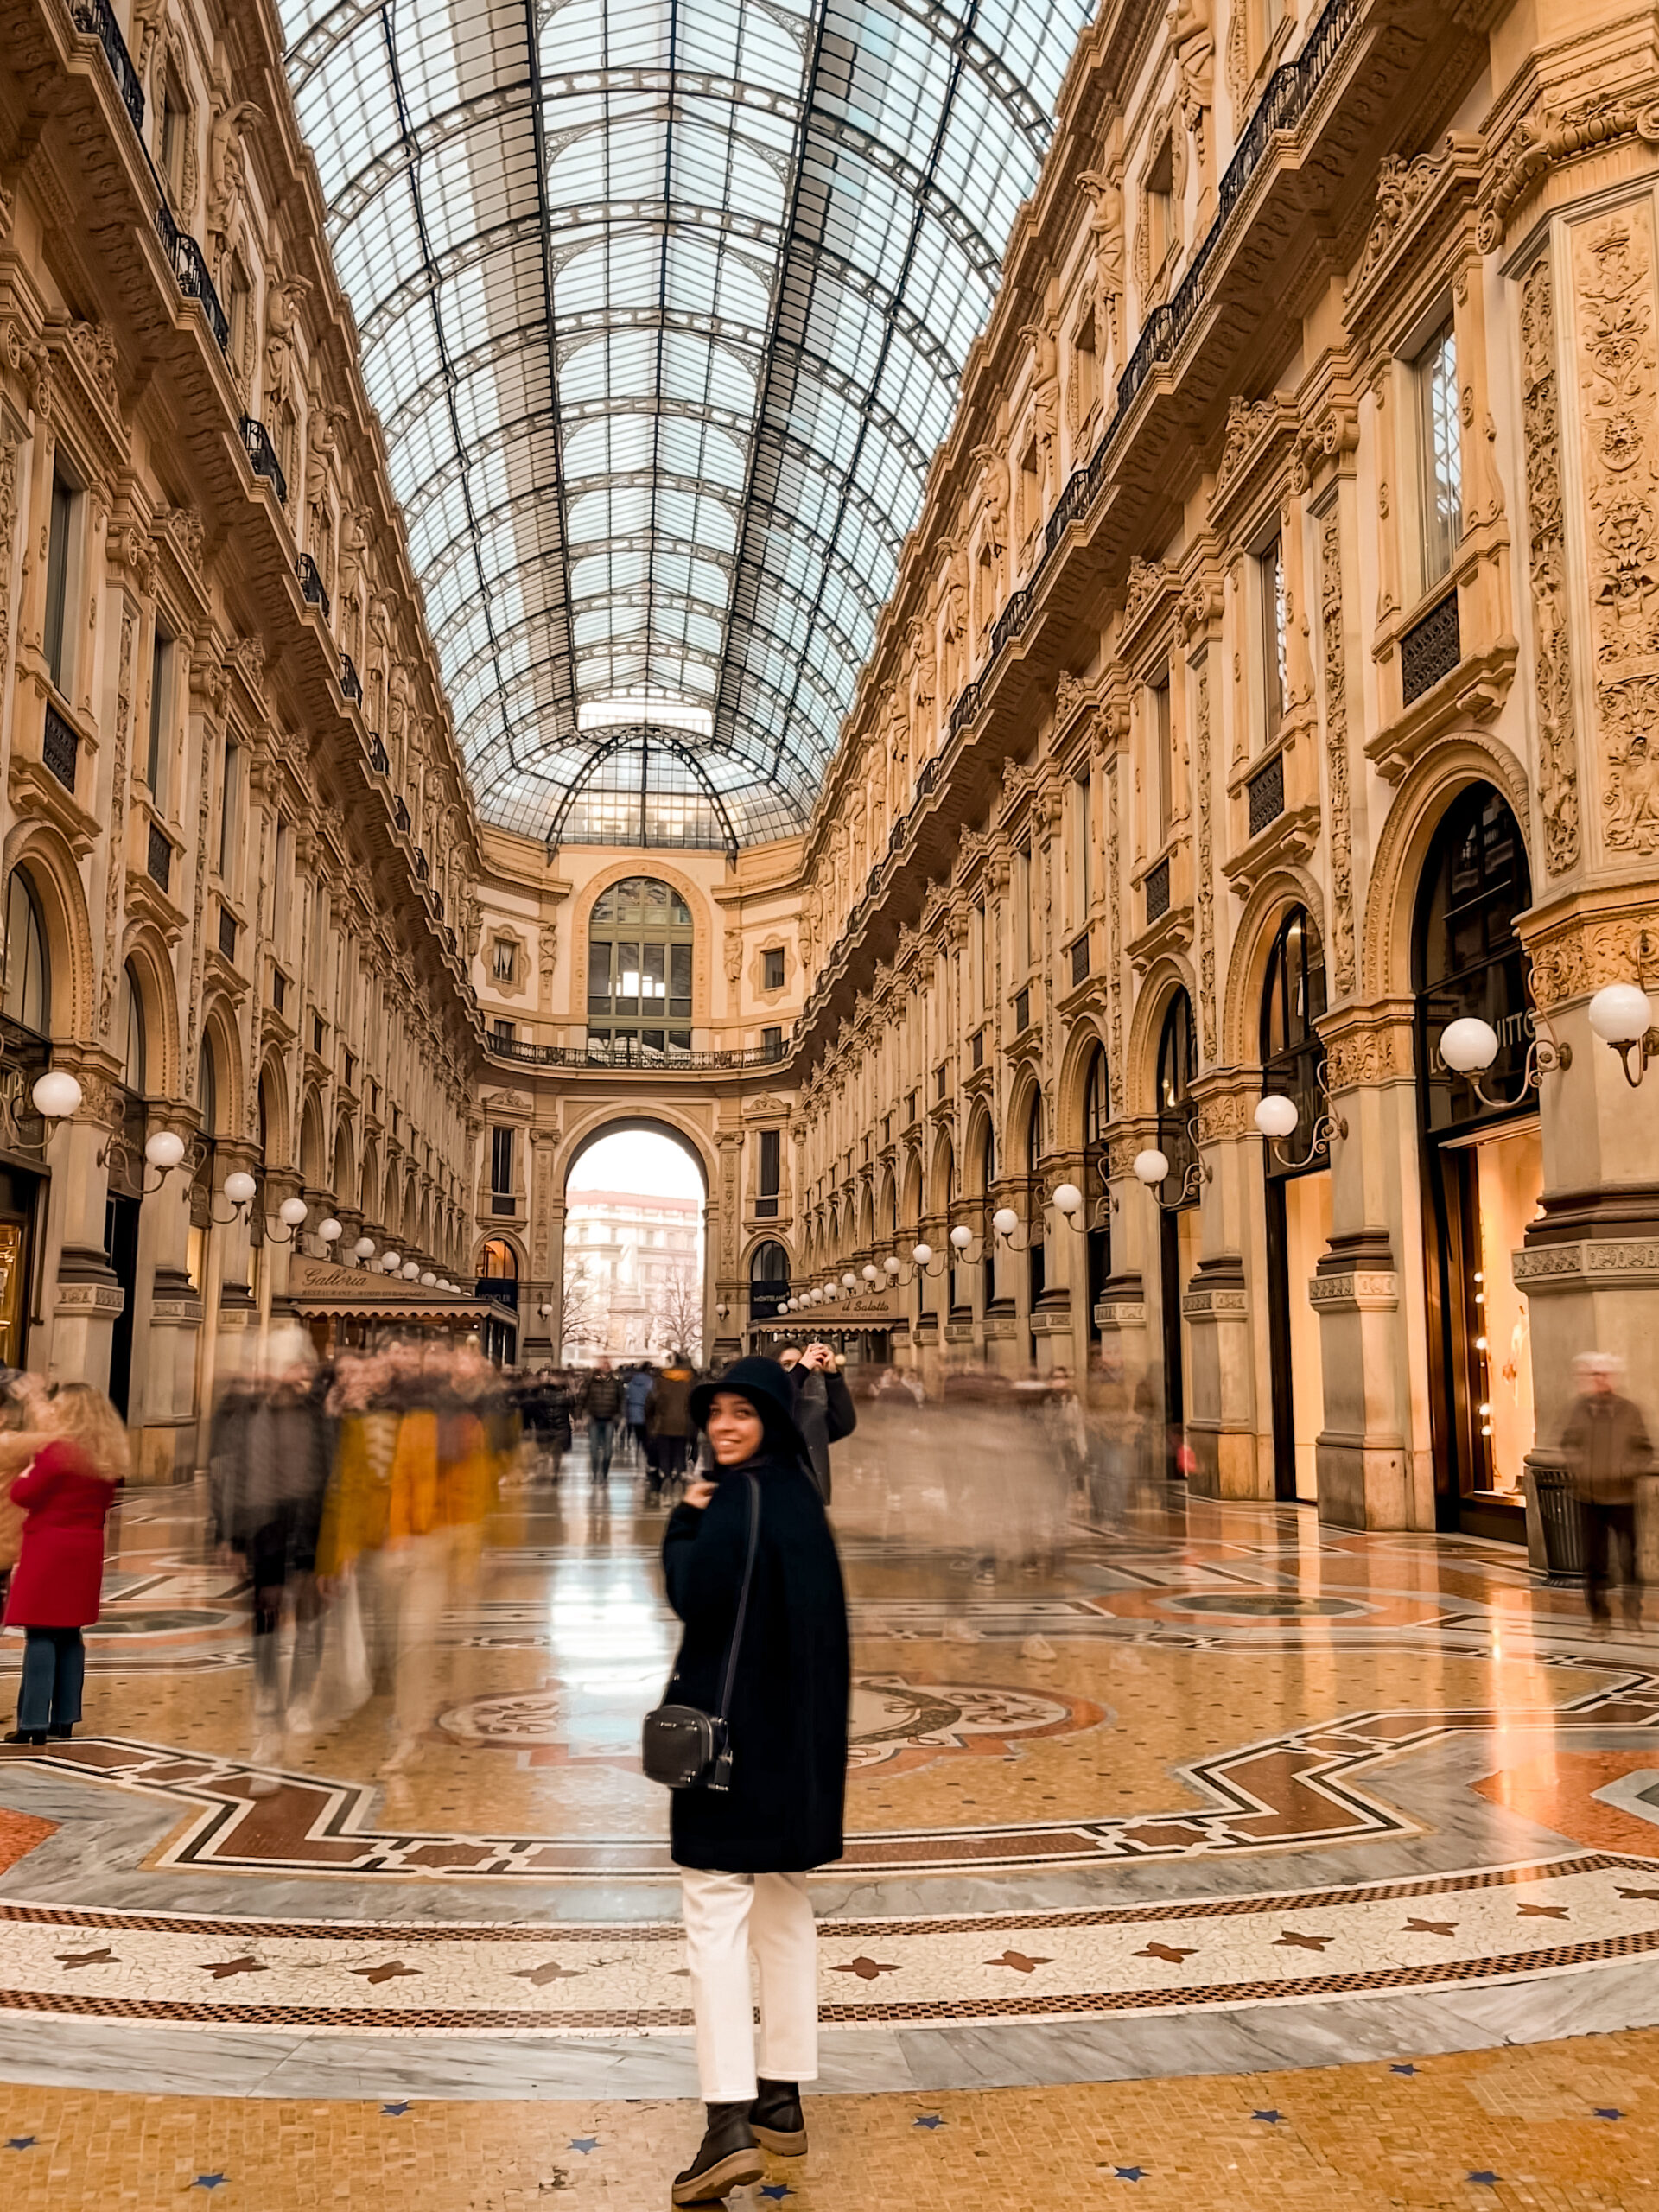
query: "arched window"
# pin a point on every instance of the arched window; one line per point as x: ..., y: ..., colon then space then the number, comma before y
x: 1177, y: 1055
x: 1097, y: 1167
x: 768, y: 1280
x: 499, y: 1263
x: 1037, y: 1250
x: 27, y: 996
x: 638, y: 972
x: 207, y: 1089
x: 1292, y: 1057
x: 1468, y: 958
x: 136, y: 1072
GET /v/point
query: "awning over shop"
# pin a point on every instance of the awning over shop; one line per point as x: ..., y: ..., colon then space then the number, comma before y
x: 321, y: 1289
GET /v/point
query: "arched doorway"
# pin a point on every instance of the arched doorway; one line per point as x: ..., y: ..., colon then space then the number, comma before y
x: 497, y: 1280
x: 1178, y: 1224
x: 634, y: 1283
x: 1483, y: 1167
x: 1096, y: 1204
x: 1298, y: 1178
x: 768, y: 1280
x: 26, y: 1007
x: 1036, y: 1221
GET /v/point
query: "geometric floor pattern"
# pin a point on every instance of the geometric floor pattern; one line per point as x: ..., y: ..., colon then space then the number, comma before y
x: 1200, y: 1852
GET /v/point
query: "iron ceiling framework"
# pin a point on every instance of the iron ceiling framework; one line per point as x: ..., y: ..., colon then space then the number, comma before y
x: 664, y: 304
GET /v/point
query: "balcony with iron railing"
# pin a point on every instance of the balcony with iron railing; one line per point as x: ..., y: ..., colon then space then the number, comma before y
x: 311, y: 586
x: 61, y: 746
x: 99, y: 17
x: 379, y: 759
x: 351, y: 684
x: 609, y: 1054
x: 261, y: 455
x: 190, y: 267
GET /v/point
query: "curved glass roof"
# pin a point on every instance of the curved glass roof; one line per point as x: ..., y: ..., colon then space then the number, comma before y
x: 664, y: 304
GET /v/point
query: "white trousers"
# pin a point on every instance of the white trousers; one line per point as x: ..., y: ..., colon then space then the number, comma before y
x: 728, y: 1916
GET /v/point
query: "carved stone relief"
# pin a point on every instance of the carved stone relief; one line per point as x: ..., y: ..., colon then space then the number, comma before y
x: 1206, y: 888
x: 1619, y: 381
x: 1336, y: 749
x: 1558, y: 765
x: 118, y: 821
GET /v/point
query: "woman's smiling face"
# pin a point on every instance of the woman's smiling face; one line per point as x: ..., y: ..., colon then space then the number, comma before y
x: 735, y: 1430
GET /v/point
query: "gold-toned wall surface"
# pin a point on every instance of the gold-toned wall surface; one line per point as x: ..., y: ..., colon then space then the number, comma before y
x: 238, y: 844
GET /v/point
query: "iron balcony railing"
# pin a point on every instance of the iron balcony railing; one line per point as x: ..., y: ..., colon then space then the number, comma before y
x: 190, y: 267
x: 422, y: 867
x: 311, y: 588
x: 1290, y: 92
x: 379, y: 759
x: 629, y: 1052
x: 159, y: 858
x: 256, y: 443
x: 61, y: 746
x: 96, y: 16
x: 350, y: 682
x: 400, y: 812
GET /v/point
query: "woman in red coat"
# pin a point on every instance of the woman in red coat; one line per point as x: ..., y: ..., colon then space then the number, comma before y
x: 66, y: 1492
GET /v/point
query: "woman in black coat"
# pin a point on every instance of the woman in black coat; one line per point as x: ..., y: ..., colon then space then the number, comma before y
x: 744, y: 1852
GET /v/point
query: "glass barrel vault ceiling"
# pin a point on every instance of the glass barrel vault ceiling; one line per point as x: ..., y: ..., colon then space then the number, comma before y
x: 664, y: 304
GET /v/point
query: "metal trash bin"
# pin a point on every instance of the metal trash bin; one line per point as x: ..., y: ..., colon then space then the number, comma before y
x: 1562, y: 1524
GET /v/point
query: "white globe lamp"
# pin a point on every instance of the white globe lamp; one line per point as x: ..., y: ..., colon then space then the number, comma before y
x: 412, y: 1270
x: 364, y: 1248
x: 429, y: 1280
x: 961, y: 1237
x: 870, y: 1272
x: 1468, y: 1045
x: 330, y: 1231
x: 292, y: 1212
x: 1276, y: 1115
x: 164, y: 1150
x: 240, y: 1188
x: 921, y: 1254
x: 1621, y: 1013
x: 1004, y: 1221
x: 1151, y: 1166
x: 892, y: 1263
x: 392, y: 1261
x: 56, y: 1095
x: 1069, y: 1199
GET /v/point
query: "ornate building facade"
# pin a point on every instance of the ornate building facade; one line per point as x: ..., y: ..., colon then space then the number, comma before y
x: 1266, y: 687
x: 239, y: 850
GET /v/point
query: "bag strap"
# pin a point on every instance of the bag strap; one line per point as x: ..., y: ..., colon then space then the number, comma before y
x: 743, y: 1600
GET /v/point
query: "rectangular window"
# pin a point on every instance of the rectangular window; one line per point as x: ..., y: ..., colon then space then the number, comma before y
x: 1270, y: 577
x: 172, y: 120
x: 227, y: 804
x: 1440, y: 454
x: 772, y: 963
x: 155, y: 758
x: 1161, y: 206
x: 1164, y: 756
x: 771, y: 1163
x: 981, y: 954
x: 501, y: 1032
x: 1082, y: 891
x: 599, y: 976
x: 500, y: 1161
x: 504, y: 962
x: 57, y: 579
x: 771, y: 1042
x: 1023, y: 935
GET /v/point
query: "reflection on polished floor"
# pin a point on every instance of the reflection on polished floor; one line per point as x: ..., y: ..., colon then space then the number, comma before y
x: 1206, y: 1792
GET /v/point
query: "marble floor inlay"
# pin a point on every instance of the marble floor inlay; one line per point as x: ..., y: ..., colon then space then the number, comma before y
x: 1216, y: 1789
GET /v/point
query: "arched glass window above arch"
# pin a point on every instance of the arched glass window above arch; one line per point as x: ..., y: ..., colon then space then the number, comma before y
x: 136, y: 1069
x: 1467, y: 958
x: 1178, y: 1059
x: 639, y: 946
x: 1293, y: 1053
x: 27, y: 996
x: 207, y: 1090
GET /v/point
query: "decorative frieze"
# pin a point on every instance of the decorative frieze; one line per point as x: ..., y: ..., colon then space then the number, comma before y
x: 1558, y: 767
x: 1344, y: 966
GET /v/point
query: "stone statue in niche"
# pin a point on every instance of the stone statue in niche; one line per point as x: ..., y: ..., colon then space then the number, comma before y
x: 923, y: 686
x: 954, y: 612
x: 228, y: 169
x: 1193, y: 36
x: 994, y: 498
x: 1046, y: 398
x: 1103, y: 189
x: 284, y: 300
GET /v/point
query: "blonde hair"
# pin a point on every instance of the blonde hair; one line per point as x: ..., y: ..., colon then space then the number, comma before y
x: 78, y: 1410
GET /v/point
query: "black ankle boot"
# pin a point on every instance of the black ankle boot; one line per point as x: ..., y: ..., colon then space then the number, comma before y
x: 778, y: 2123
x: 728, y: 2156
x: 27, y: 1736
x: 63, y: 1729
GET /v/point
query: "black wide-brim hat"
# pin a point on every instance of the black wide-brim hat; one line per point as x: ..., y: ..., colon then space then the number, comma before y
x: 766, y: 1387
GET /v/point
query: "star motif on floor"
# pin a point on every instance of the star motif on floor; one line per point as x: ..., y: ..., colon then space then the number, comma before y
x: 1431, y: 1927
x: 776, y: 2191
x: 73, y: 1959
x: 1543, y: 1912
x: 1291, y: 1941
x: 210, y: 2181
x: 929, y: 2120
x: 20, y: 2142
x: 1608, y: 2111
x: 1408, y: 2071
x: 1128, y: 2173
x: 1273, y: 2118
x: 865, y: 1969
x: 583, y: 2143
x: 1484, y: 2179
x: 1171, y: 1952
x: 1019, y: 1961
x: 394, y: 1970
x: 396, y: 2111
x: 552, y: 1971
x: 222, y: 1969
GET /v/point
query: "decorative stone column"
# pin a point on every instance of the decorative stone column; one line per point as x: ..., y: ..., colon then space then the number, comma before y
x: 85, y: 1296
x: 1374, y: 1456
x: 226, y: 1292
x: 1217, y: 1304
x: 1059, y: 1324
x: 162, y: 1406
x: 278, y: 1243
x: 1003, y: 1266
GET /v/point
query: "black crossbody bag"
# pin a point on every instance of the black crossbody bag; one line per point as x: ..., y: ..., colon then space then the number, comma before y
x: 682, y: 1747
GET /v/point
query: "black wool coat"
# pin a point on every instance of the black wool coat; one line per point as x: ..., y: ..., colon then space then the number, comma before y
x: 789, y: 1710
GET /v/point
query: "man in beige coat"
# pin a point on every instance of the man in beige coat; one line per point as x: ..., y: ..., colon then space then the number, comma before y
x: 1606, y: 1444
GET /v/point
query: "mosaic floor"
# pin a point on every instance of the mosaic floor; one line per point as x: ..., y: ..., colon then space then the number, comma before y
x: 1187, y: 1798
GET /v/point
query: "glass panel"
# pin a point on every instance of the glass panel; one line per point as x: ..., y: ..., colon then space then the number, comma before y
x: 627, y: 978
x: 653, y: 987
x: 599, y: 976
x: 1441, y: 454
x: 679, y: 979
